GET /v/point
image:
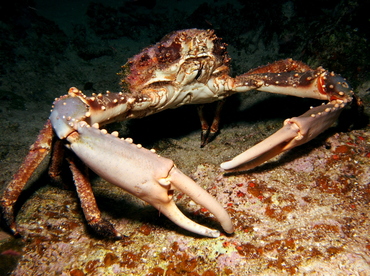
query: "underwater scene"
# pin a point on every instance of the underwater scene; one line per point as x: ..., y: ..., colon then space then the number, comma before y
x: 157, y: 137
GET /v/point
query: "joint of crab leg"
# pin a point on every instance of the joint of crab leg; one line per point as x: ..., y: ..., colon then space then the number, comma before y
x: 67, y: 112
x: 334, y: 86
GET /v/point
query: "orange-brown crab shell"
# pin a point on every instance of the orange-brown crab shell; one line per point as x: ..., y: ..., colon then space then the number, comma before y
x: 143, y: 67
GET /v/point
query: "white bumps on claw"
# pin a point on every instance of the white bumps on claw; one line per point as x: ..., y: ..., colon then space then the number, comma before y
x: 128, y: 140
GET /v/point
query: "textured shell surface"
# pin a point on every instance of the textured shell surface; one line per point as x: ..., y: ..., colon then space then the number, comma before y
x: 179, y: 58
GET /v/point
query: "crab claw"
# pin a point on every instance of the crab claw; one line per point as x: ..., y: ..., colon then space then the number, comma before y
x: 144, y: 174
x: 296, y: 131
x: 306, y: 82
x: 186, y: 185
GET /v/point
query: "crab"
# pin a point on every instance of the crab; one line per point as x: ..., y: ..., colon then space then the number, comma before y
x: 185, y: 67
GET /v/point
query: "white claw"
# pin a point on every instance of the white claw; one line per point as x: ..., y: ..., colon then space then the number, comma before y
x: 145, y: 175
x: 264, y: 150
x: 296, y: 131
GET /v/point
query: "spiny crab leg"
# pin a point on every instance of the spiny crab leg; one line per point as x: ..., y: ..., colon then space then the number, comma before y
x: 296, y: 131
x: 144, y: 174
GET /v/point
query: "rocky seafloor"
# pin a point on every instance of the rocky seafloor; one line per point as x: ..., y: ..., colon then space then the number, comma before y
x: 305, y: 212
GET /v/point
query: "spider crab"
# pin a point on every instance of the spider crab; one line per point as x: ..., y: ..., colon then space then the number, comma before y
x: 185, y: 67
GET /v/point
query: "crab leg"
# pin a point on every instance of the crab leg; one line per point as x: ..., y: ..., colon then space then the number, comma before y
x: 209, y: 131
x: 144, y: 174
x: 38, y: 151
x: 88, y: 203
x: 300, y: 82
